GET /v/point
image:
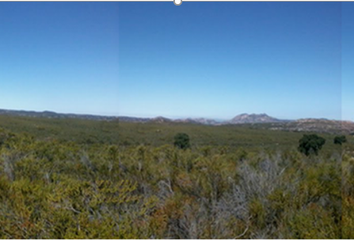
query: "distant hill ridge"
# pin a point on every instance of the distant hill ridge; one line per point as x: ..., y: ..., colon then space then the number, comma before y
x: 239, y: 119
x: 258, y: 120
x: 49, y: 114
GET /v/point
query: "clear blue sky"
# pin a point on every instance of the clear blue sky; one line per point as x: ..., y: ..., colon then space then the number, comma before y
x: 215, y: 60
x: 59, y: 56
x: 348, y: 61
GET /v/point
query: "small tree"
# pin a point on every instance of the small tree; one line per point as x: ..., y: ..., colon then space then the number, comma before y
x: 311, y: 143
x: 340, y: 139
x: 182, y: 141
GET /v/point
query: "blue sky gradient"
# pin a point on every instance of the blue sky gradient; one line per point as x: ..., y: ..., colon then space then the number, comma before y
x: 59, y: 56
x: 348, y: 61
x: 215, y: 60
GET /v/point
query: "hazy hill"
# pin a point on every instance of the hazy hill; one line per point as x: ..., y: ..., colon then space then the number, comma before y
x: 204, y: 121
x: 133, y: 119
x: 49, y: 114
x: 321, y: 125
x: 160, y: 120
x: 240, y: 119
x: 310, y: 125
x: 253, y: 118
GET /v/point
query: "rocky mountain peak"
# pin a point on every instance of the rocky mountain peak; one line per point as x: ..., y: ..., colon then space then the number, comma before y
x: 253, y: 118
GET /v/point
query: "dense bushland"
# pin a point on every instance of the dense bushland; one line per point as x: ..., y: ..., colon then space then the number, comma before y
x: 348, y: 194
x: 52, y: 188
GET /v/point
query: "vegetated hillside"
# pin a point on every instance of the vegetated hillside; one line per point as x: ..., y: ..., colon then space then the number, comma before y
x: 323, y: 125
x: 312, y: 125
x: 55, y: 183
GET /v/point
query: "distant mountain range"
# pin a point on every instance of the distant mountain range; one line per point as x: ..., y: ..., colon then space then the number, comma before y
x: 49, y: 114
x: 239, y: 119
x: 256, y: 120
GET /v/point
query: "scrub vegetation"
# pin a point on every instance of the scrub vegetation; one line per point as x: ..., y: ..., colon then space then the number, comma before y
x: 95, y: 179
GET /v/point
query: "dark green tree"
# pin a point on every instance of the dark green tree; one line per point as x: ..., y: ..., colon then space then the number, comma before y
x: 340, y: 139
x: 311, y: 144
x: 182, y: 141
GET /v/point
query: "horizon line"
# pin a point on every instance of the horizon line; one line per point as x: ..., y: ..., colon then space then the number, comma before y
x: 172, y: 118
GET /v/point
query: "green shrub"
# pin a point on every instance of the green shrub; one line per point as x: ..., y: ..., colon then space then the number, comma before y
x: 311, y: 144
x: 340, y: 139
x: 182, y: 141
